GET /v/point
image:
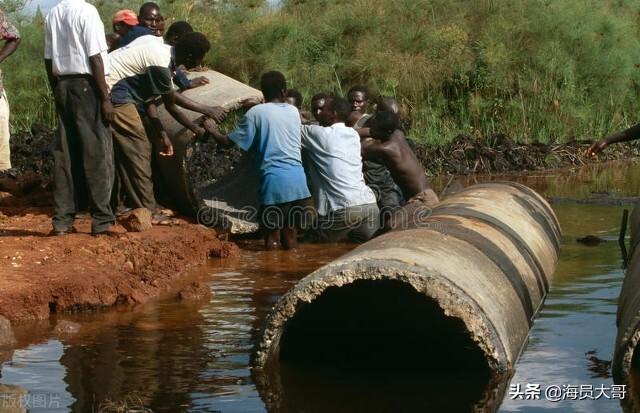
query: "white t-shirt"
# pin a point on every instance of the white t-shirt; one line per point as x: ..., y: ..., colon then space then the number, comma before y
x: 73, y: 33
x: 335, y: 167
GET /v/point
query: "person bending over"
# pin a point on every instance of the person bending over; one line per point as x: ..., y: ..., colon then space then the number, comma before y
x: 175, y: 33
x: 389, y: 146
x: 376, y: 174
x: 346, y: 206
x: 138, y: 73
x: 271, y: 131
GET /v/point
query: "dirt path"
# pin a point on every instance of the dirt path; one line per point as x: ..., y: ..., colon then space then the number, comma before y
x: 40, y: 274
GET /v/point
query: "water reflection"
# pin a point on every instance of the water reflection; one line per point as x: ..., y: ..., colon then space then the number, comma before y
x: 179, y: 357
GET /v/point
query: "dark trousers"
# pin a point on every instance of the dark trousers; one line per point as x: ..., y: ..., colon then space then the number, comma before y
x: 83, y: 156
x: 133, y: 158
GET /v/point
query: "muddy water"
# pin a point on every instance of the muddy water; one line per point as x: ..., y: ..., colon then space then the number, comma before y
x: 178, y: 357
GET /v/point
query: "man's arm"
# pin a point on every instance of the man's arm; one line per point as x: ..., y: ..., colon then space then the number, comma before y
x: 373, y: 149
x: 364, y: 132
x: 623, y: 136
x: 220, y: 138
x: 169, y: 100
x: 9, y: 47
x: 216, y: 113
x: 165, y: 147
x: 48, y: 64
x: 97, y: 69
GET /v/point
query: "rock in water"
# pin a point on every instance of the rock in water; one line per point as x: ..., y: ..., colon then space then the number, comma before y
x: 66, y: 328
x: 138, y: 220
x: 7, y: 339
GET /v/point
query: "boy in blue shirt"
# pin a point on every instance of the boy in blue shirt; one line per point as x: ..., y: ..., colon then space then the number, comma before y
x: 271, y: 132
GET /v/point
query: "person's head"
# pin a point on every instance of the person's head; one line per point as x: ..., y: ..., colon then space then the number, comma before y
x: 335, y: 109
x: 383, y: 124
x: 150, y: 16
x: 294, y: 97
x: 359, y: 98
x: 123, y: 21
x: 388, y: 104
x: 191, y: 49
x: 274, y: 86
x: 176, y: 31
x: 317, y: 103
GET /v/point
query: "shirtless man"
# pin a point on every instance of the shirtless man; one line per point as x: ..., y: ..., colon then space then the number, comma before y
x: 391, y: 148
x: 376, y: 174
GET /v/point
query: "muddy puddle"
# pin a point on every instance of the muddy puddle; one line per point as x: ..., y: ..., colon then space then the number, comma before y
x: 195, y: 357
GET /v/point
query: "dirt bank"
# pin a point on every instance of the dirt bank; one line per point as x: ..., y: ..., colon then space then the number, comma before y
x: 468, y: 154
x: 42, y: 274
x: 31, y: 153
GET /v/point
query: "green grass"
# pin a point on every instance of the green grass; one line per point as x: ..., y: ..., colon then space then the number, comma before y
x: 534, y: 70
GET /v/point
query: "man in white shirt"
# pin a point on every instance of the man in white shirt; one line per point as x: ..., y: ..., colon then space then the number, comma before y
x: 75, y: 59
x: 347, y: 207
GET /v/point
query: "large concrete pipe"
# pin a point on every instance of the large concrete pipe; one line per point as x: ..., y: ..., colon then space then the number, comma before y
x: 626, y: 358
x: 461, y: 289
x: 189, y: 178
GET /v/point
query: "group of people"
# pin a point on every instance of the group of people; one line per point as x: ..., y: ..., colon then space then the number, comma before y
x: 353, y: 169
x: 106, y: 91
x: 318, y: 162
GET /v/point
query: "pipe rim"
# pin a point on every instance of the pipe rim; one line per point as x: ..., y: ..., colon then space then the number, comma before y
x: 433, y: 286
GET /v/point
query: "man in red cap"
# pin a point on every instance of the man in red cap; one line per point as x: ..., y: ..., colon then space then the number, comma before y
x: 123, y: 21
x: 126, y: 27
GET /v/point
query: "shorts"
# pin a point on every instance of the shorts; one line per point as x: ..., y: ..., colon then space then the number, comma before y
x: 295, y: 214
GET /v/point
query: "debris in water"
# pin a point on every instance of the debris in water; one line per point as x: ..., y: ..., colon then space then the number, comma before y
x: 598, y: 367
x: 591, y: 240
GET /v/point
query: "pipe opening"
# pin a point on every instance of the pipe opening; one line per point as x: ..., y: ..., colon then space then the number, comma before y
x: 380, y: 324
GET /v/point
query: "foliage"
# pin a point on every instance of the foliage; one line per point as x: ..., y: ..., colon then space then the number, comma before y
x: 533, y: 70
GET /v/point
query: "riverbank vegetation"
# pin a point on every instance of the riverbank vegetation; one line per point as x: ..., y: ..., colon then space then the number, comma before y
x: 530, y: 70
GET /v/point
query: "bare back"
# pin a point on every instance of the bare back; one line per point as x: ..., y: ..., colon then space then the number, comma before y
x: 403, y: 164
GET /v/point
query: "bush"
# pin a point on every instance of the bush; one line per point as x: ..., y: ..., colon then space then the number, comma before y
x: 533, y: 70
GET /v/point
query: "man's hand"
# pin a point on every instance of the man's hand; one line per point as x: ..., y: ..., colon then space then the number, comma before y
x: 108, y: 112
x: 250, y: 102
x: 597, y: 147
x: 199, y: 81
x: 200, y: 134
x: 217, y: 113
x: 210, y: 126
x: 165, y: 146
x: 199, y: 69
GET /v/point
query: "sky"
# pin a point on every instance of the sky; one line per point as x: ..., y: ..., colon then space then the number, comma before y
x: 45, y: 5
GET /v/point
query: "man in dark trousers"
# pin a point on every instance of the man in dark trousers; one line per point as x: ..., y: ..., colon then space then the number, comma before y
x: 139, y: 72
x: 76, y: 62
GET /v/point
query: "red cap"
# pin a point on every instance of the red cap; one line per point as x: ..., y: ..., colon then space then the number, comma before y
x: 127, y: 17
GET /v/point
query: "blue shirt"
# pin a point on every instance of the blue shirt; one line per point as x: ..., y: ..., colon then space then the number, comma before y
x: 271, y: 132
